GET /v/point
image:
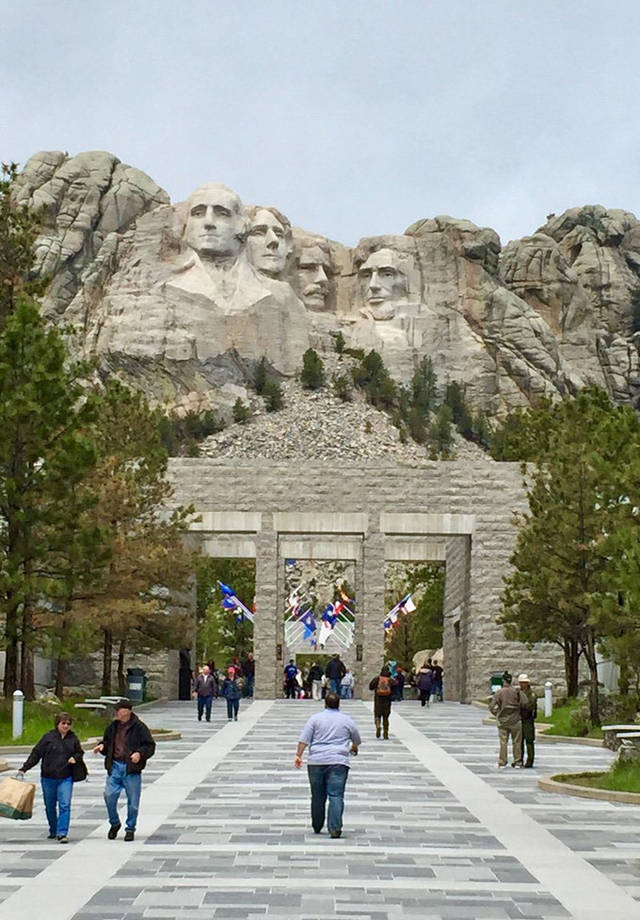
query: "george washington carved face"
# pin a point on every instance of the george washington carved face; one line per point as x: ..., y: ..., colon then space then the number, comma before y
x: 216, y: 224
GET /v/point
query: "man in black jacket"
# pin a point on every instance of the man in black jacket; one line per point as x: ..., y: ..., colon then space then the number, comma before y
x: 127, y: 745
x: 334, y: 672
x: 204, y: 688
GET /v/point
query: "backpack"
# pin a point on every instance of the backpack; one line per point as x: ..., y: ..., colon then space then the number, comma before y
x: 384, y: 686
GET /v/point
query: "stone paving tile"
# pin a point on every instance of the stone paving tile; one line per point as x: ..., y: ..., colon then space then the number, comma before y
x: 240, y: 845
x: 365, y: 903
x: 24, y: 850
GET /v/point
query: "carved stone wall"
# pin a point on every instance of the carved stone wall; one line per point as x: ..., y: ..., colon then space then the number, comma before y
x: 369, y: 513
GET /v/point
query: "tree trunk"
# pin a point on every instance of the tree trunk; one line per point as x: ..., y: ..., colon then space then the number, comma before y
x: 594, y: 693
x: 571, y: 658
x: 61, y: 677
x: 122, y: 684
x: 107, y: 651
x: 12, y: 646
x: 27, y: 677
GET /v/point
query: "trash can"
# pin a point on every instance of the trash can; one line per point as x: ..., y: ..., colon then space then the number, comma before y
x: 496, y: 682
x: 136, y: 684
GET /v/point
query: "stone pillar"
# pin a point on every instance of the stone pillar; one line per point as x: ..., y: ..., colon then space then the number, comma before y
x: 265, y: 626
x: 372, y: 609
x: 456, y: 618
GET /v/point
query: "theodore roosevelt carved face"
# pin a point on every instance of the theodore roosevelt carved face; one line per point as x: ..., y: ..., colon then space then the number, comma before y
x: 313, y: 273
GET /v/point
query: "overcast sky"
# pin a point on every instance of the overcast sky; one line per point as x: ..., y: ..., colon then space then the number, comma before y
x: 355, y: 118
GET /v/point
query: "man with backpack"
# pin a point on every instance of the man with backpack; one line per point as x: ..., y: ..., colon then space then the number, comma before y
x: 334, y: 672
x: 383, y: 686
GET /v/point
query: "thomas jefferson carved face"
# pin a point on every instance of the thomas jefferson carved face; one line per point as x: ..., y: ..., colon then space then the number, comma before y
x: 314, y: 271
x: 383, y: 278
x: 216, y: 223
x: 269, y: 240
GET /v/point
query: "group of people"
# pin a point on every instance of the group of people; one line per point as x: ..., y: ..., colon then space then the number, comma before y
x: 235, y: 683
x: 515, y: 709
x: 315, y: 682
x: 126, y: 746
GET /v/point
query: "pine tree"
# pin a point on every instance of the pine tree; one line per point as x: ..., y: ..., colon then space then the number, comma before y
x: 45, y: 451
x: 424, y: 387
x: 312, y: 374
x: 567, y: 567
x: 272, y: 393
x: 260, y: 377
x: 134, y: 605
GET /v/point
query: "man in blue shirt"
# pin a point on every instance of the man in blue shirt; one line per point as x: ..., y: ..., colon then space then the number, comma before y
x: 332, y: 737
x: 291, y: 680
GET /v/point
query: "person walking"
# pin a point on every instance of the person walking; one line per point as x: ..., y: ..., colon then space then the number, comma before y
x: 249, y: 671
x: 126, y: 746
x: 528, y: 714
x: 62, y: 761
x: 204, y: 688
x: 232, y: 693
x: 334, y: 672
x: 424, y: 682
x: 438, y: 676
x: 346, y: 685
x: 332, y: 738
x: 315, y: 676
x: 383, y: 687
x: 506, y: 705
x: 290, y: 680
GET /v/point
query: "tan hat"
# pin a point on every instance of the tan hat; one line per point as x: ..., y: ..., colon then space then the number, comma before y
x: 523, y: 679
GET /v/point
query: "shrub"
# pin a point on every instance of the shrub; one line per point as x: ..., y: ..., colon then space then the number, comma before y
x: 339, y: 343
x: 240, y: 412
x: 372, y: 376
x: 260, y: 377
x: 312, y: 374
x: 342, y: 387
x: 272, y: 394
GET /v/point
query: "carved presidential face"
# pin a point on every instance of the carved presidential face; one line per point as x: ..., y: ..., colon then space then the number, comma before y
x: 314, y: 271
x: 268, y: 242
x: 216, y: 223
x: 383, y: 278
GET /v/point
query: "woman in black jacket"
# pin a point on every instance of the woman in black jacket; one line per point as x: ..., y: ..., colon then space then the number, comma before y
x: 59, y: 750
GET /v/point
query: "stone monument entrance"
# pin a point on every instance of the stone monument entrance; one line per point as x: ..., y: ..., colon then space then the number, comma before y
x: 459, y: 513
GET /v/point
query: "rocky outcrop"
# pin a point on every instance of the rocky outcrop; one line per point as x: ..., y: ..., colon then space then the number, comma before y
x: 184, y: 299
x: 85, y: 199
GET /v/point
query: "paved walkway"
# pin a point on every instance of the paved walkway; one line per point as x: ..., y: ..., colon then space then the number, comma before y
x: 432, y: 830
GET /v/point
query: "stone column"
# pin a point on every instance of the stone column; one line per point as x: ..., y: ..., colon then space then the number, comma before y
x: 372, y: 609
x: 265, y: 626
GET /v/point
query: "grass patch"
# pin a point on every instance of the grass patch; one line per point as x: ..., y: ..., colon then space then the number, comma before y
x: 564, y: 722
x: 620, y: 778
x: 38, y: 719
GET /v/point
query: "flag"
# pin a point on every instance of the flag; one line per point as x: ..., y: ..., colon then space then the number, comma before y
x: 231, y: 602
x: 408, y: 606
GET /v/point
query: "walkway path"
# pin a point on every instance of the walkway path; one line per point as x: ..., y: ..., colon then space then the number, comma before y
x: 432, y: 830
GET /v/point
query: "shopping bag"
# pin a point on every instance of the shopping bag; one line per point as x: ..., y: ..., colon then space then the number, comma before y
x: 16, y: 799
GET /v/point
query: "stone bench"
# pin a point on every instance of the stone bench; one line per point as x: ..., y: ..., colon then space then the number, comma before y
x: 94, y: 705
x: 612, y: 734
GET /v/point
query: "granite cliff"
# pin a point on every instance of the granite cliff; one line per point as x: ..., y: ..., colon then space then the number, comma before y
x: 183, y: 299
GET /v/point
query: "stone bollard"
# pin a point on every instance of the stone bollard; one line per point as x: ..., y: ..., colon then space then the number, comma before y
x: 548, y: 699
x: 18, y: 713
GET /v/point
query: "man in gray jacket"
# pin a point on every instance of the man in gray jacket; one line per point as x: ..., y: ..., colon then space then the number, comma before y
x: 505, y: 706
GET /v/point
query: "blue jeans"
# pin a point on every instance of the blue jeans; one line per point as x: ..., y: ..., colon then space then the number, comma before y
x: 204, y: 705
x: 346, y: 693
x: 232, y: 708
x: 327, y: 780
x: 334, y: 685
x: 248, y: 687
x: 57, y: 798
x: 118, y: 780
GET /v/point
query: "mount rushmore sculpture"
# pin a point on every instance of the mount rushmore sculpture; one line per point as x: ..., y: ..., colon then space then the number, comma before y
x: 188, y: 297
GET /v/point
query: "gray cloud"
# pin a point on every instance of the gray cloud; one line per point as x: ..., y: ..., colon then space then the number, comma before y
x: 354, y: 118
